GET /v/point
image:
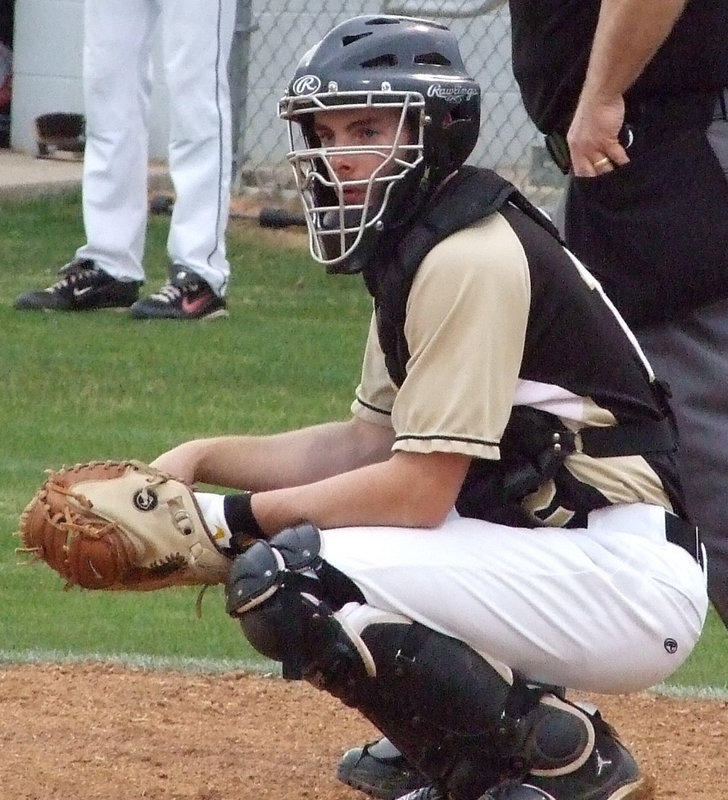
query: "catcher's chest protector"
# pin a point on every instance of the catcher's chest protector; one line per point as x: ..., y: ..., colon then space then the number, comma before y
x: 494, y: 490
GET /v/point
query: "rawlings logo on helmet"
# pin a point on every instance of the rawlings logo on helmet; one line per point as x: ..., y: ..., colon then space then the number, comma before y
x: 306, y: 84
x: 452, y: 94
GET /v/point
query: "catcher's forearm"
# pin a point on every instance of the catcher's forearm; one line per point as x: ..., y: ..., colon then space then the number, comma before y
x: 264, y: 462
x: 408, y: 490
x: 281, y: 460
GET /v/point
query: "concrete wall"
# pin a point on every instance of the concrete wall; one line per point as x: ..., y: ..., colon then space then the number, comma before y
x: 47, y: 56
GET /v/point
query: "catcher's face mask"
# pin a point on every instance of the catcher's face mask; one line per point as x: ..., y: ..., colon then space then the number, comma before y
x: 403, y: 79
x: 348, y: 151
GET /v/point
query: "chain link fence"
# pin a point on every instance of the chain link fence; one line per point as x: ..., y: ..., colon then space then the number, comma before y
x: 272, y: 35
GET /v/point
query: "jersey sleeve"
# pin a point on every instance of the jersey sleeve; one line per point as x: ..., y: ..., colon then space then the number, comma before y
x: 375, y: 394
x: 466, y: 322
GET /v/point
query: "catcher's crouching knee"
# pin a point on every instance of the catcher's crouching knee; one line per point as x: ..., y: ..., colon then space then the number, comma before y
x: 250, y: 590
x: 274, y: 590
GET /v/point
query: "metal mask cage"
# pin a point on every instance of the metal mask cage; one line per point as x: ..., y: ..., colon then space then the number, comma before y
x: 336, y: 227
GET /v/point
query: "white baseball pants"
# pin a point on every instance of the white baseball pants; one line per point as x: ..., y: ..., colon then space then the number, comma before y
x: 610, y: 608
x: 196, y: 42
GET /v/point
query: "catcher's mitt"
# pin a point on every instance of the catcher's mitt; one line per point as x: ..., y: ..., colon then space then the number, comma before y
x: 120, y: 525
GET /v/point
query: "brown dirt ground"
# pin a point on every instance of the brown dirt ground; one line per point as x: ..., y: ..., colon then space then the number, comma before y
x: 92, y: 731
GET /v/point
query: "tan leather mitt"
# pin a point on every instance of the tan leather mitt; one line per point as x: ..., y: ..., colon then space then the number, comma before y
x: 120, y: 525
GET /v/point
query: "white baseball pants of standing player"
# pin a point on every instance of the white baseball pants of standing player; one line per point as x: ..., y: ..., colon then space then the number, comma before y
x: 196, y: 41
x: 610, y: 608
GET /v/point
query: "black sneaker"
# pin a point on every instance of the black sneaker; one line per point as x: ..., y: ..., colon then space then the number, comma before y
x: 185, y: 296
x: 82, y: 287
x: 379, y: 770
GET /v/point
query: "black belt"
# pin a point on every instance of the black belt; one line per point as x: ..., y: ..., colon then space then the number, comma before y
x: 686, y: 535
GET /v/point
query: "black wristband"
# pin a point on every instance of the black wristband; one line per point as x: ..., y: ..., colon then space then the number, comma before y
x: 240, y: 518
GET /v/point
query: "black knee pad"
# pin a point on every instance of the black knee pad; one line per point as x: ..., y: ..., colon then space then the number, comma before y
x: 277, y: 590
x: 254, y: 576
x: 288, y: 560
x: 299, y: 546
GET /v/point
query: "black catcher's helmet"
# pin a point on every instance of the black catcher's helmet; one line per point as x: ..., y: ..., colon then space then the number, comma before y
x: 413, y: 65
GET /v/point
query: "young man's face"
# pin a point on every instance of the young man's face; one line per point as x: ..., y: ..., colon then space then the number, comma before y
x: 373, y: 128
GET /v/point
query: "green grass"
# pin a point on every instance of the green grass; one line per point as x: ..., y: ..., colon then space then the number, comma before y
x: 85, y: 386
x: 707, y: 665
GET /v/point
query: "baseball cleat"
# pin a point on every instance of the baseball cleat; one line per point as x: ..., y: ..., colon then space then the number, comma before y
x: 82, y: 287
x: 379, y: 770
x: 185, y: 296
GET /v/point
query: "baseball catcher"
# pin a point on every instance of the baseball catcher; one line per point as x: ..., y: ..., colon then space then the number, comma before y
x: 500, y: 520
x: 121, y: 525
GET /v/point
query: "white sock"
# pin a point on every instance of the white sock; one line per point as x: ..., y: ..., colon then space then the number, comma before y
x: 213, y: 512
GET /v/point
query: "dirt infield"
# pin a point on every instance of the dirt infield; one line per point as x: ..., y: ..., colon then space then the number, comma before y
x: 93, y: 731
